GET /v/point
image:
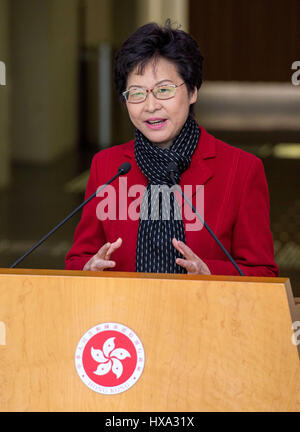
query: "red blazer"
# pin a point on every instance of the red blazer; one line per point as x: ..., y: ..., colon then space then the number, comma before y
x: 236, y: 208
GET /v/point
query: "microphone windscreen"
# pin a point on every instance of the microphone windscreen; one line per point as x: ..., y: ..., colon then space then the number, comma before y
x: 172, y: 167
x: 125, y: 167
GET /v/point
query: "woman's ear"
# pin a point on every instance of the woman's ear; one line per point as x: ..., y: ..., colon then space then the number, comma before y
x: 193, y: 96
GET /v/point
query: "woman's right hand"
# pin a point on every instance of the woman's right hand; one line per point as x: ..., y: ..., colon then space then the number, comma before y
x: 101, y: 260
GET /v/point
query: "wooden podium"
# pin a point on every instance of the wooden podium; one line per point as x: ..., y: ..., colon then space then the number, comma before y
x: 212, y: 343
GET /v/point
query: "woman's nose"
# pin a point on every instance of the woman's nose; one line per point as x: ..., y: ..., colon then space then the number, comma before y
x: 151, y: 103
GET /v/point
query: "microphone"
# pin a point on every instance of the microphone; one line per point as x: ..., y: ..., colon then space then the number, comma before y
x: 123, y: 169
x: 172, y: 169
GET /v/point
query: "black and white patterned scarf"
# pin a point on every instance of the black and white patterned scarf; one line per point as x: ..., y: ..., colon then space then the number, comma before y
x: 160, y: 215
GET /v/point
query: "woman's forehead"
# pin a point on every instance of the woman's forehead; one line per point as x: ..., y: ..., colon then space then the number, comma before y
x: 156, y: 70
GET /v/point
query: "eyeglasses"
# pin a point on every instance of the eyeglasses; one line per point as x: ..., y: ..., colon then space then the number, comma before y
x: 162, y: 92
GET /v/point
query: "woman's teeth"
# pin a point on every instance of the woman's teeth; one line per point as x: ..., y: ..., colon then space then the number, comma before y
x: 155, y: 121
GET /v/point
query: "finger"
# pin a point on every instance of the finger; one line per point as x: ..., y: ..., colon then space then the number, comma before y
x: 178, y: 245
x: 100, y: 264
x: 113, y: 246
x: 103, y: 251
x: 184, y: 249
x: 190, y: 266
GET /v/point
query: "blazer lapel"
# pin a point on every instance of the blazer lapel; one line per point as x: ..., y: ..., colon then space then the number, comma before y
x: 199, y: 171
x: 136, y: 177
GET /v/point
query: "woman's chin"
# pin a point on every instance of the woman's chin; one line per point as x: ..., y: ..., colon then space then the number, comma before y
x: 161, y: 140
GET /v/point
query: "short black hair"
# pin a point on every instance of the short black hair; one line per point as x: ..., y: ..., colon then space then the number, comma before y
x: 151, y: 41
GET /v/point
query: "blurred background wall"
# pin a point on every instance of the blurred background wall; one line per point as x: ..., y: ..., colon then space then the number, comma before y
x: 59, y: 106
x: 4, y: 97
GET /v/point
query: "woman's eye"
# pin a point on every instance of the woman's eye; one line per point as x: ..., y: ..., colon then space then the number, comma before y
x: 163, y: 90
x: 136, y: 93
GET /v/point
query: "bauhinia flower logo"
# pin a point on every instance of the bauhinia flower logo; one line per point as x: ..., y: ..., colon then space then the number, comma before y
x: 109, y: 358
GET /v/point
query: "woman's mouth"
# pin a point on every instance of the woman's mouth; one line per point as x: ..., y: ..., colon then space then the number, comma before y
x: 156, y: 123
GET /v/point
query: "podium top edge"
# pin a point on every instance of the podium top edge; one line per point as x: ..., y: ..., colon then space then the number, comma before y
x: 109, y: 274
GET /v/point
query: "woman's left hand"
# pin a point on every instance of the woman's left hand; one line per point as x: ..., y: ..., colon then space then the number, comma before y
x: 192, y: 263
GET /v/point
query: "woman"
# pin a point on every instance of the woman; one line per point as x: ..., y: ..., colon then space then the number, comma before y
x: 158, y: 72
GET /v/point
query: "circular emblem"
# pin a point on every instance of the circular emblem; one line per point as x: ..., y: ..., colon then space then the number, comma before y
x: 109, y: 358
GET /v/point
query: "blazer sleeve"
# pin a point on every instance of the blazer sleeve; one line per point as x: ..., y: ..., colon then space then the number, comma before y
x: 89, y: 235
x: 252, y: 241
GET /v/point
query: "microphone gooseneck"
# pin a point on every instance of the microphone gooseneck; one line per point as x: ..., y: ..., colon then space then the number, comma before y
x: 172, y: 169
x: 123, y: 169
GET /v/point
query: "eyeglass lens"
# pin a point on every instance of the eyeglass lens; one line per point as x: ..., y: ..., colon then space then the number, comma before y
x: 160, y: 92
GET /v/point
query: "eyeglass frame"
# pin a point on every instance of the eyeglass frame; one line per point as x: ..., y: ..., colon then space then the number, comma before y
x: 151, y: 91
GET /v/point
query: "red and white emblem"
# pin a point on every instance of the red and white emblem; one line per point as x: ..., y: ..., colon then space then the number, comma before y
x: 109, y: 358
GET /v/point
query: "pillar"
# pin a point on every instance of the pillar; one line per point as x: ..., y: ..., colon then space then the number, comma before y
x: 159, y: 11
x: 4, y: 97
x: 44, y: 43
